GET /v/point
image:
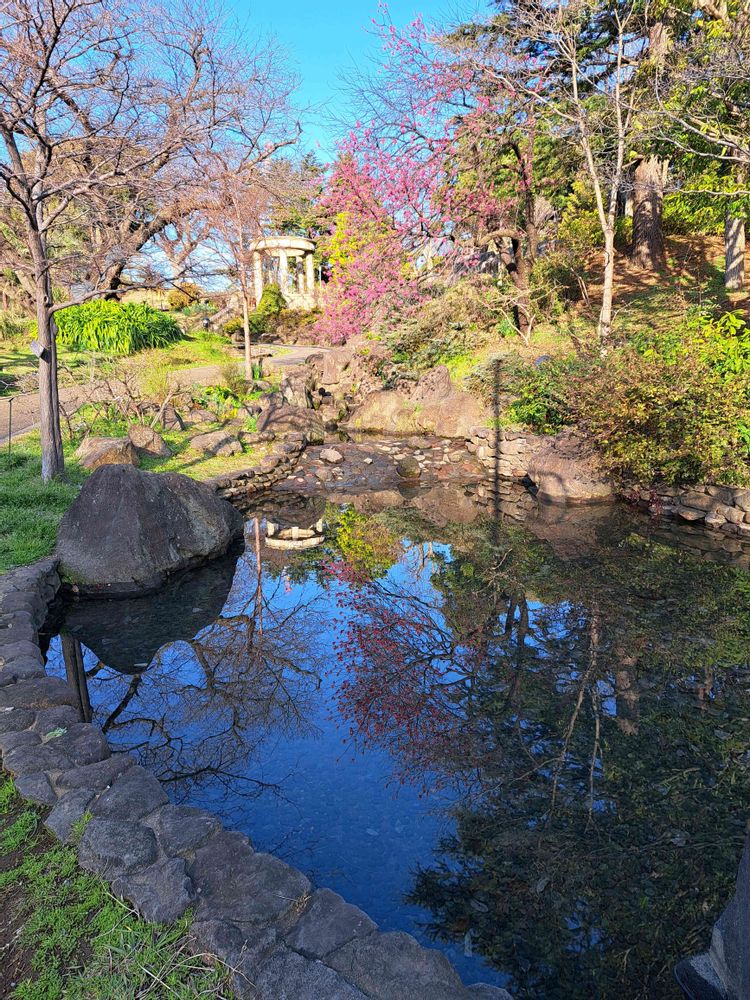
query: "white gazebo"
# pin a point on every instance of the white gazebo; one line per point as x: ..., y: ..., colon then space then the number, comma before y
x: 271, y: 262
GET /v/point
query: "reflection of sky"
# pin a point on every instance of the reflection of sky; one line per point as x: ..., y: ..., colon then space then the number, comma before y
x: 339, y: 814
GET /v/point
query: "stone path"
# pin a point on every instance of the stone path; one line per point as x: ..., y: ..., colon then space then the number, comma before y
x: 21, y: 413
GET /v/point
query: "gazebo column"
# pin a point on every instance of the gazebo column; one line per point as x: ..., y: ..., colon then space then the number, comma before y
x: 310, y: 273
x: 257, y: 277
x: 300, y: 277
x: 283, y: 272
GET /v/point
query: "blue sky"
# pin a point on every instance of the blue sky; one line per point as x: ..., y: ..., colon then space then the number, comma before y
x: 323, y: 41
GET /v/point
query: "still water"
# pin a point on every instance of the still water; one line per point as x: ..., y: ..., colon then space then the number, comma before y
x: 526, y: 743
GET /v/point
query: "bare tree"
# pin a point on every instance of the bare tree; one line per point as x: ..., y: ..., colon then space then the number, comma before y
x: 107, y: 111
x: 589, y: 91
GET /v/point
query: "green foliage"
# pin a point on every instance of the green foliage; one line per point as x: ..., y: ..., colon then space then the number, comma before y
x: 30, y: 510
x: 672, y: 419
x: 272, y: 302
x: 183, y: 296
x: 115, y: 328
x: 85, y: 944
x: 543, y: 394
x: 233, y: 379
x: 13, y: 327
x: 365, y: 544
x: 451, y: 324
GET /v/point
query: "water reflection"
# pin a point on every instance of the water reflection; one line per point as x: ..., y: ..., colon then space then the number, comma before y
x: 528, y: 740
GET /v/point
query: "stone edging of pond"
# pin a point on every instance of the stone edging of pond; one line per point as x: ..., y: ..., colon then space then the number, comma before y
x: 263, y: 918
x: 273, y: 469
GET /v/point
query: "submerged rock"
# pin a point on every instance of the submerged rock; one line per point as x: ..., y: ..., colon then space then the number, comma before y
x: 128, y: 530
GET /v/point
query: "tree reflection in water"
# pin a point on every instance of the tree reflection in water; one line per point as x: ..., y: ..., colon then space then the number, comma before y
x: 576, y: 687
x: 204, y: 704
x: 592, y: 716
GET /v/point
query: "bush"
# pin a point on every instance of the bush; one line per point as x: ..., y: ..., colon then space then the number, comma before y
x: 115, y: 328
x: 271, y: 301
x: 183, y: 296
x: 233, y: 378
x: 13, y: 327
x: 673, y: 420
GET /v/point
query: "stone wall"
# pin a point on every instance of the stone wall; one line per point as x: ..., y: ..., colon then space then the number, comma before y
x: 274, y: 468
x: 282, y: 937
x: 504, y: 452
x: 725, y: 508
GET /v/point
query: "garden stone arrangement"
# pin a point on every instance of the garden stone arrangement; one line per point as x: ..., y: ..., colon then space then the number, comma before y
x: 281, y: 936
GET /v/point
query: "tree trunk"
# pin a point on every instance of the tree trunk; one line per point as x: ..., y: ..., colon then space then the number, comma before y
x: 648, y: 195
x: 53, y: 462
x: 734, y: 249
x: 604, y: 327
x: 248, y: 349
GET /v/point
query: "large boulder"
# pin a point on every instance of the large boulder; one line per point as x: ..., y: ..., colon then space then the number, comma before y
x: 433, y: 386
x: 385, y: 411
x: 565, y: 469
x: 93, y: 452
x: 148, y: 442
x: 284, y: 420
x: 452, y: 416
x: 296, y: 390
x: 128, y: 531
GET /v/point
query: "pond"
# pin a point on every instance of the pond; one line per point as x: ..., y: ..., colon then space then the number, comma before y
x: 521, y: 736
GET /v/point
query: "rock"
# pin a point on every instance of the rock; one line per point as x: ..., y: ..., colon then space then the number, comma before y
x: 147, y: 442
x: 483, y: 991
x: 14, y: 720
x: 385, y: 411
x: 182, y: 830
x: 241, y: 950
x: 171, y: 419
x: 328, y: 923
x: 433, y: 386
x: 128, y: 530
x: 95, y: 777
x: 115, y: 847
x: 296, y: 391
x: 394, y: 966
x: 331, y: 456
x: 161, y: 893
x: 566, y: 470
x: 408, y: 468
x: 284, y: 420
x: 222, y: 443
x: 453, y: 416
x: 201, y: 416
x: 70, y: 809
x: 288, y: 976
x: 37, y: 693
x: 82, y: 743
x: 33, y: 759
x: 236, y: 884
x: 131, y: 796
x: 37, y: 789
x: 94, y: 452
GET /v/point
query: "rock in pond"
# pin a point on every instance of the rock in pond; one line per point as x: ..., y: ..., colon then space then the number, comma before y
x: 94, y: 452
x: 408, y: 468
x: 566, y: 470
x: 128, y: 530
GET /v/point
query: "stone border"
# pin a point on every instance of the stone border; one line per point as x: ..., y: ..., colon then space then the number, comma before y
x: 284, y: 939
x: 277, y: 466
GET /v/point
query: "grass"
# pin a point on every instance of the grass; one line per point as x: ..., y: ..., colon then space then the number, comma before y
x: 30, y: 510
x: 65, y: 936
x: 196, y: 348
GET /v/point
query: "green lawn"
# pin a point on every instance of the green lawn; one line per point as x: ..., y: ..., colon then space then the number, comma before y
x: 31, y: 510
x: 65, y: 937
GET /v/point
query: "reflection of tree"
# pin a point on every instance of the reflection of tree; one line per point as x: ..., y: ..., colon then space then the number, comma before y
x: 204, y: 705
x: 592, y: 717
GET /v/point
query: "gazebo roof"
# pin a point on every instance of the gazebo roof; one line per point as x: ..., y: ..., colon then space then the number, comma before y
x: 300, y: 243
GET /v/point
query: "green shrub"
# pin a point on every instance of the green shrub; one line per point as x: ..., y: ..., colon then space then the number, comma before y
x: 675, y: 420
x: 543, y: 392
x: 272, y: 302
x: 233, y: 378
x: 115, y: 328
x: 184, y: 295
x: 13, y: 327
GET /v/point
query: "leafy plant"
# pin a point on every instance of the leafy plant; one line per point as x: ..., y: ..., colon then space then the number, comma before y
x: 115, y: 328
x: 183, y: 296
